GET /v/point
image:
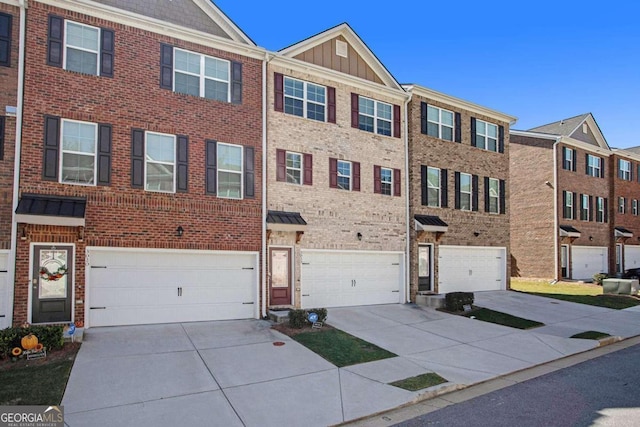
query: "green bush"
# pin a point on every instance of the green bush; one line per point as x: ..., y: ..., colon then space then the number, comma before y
x: 598, y: 278
x: 50, y: 336
x: 455, y: 301
x: 298, y: 318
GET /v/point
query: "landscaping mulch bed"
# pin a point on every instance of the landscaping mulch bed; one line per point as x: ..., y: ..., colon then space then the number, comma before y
x: 68, y: 352
x: 292, y: 332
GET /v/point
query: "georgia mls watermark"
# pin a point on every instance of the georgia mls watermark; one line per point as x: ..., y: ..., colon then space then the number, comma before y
x: 31, y: 416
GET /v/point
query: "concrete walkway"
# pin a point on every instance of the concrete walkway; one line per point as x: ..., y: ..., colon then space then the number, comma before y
x: 231, y: 373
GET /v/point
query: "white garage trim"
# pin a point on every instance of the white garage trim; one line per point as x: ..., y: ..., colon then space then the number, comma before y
x: 183, y: 297
x: 352, y: 283
x: 588, y: 260
x: 471, y: 268
x: 5, y: 291
x: 631, y: 256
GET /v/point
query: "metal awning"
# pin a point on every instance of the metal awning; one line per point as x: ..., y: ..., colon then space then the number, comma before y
x: 430, y: 223
x: 285, y: 221
x: 47, y: 209
x: 569, y: 231
x: 622, y: 232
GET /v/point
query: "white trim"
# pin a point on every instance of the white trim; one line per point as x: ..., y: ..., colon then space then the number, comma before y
x: 618, y: 233
x: 78, y: 153
x: 432, y: 228
x: 223, y: 21
x: 286, y: 227
x: 218, y: 170
x: 305, y: 99
x: 353, y: 251
x: 286, y: 167
x: 12, y: 2
x: 390, y: 182
x: 158, y: 162
x: 338, y: 175
x: 432, y: 253
x: 606, y: 152
x: 619, y: 260
x: 64, y: 221
x: 6, y: 321
x: 202, y: 76
x: 563, y: 233
x: 162, y: 250
x: 595, y: 129
x: 65, y: 46
x: 441, y: 124
x: 262, y: 285
x: 292, y: 278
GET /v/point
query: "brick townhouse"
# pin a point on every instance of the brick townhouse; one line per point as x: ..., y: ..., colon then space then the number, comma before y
x: 9, y: 51
x: 140, y: 197
x: 336, y: 223
x: 459, y: 194
x: 561, y: 200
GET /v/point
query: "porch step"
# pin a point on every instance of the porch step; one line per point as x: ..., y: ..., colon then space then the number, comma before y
x: 279, y: 316
x: 430, y: 300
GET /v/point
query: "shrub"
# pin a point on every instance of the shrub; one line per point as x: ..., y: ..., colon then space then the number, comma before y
x: 50, y: 336
x: 299, y: 318
x: 598, y: 278
x: 455, y: 301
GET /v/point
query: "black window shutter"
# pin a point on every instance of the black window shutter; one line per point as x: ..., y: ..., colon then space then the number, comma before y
x: 503, y: 196
x: 5, y: 39
x: 377, y: 179
x: 355, y: 110
x: 281, y: 165
x: 575, y: 205
x: 107, y: 51
x: 424, y: 185
x: 307, y: 165
x: 619, y: 168
x: 397, y: 182
x: 423, y: 118
x: 487, y: 202
x: 444, y: 188
x: 590, y: 208
x: 249, y: 173
x: 574, y: 159
x: 474, y: 192
x: 355, y: 186
x: 564, y: 157
x: 397, y: 121
x: 211, y: 162
x: 105, y: 133
x: 236, y: 82
x: 586, y: 164
x: 333, y: 172
x: 564, y: 204
x: 182, y: 163
x: 500, y: 139
x: 606, y: 209
x: 51, y: 148
x: 54, y: 41
x: 458, y: 129
x: 581, y: 207
x: 278, y: 92
x: 601, y: 160
x: 137, y: 158
x: 166, y: 66
x: 473, y: 131
x: 630, y: 171
x: 457, y: 188
x: 2, y: 123
x: 331, y: 104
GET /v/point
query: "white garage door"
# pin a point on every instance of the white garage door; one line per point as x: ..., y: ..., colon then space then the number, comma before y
x: 631, y: 256
x: 471, y: 268
x: 5, y: 301
x: 347, y: 278
x: 587, y: 261
x: 127, y: 287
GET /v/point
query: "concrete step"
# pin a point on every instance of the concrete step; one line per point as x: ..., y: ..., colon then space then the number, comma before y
x: 279, y: 316
x: 430, y: 300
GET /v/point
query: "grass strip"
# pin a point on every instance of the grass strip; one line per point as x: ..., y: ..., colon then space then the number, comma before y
x: 419, y: 382
x: 492, y: 316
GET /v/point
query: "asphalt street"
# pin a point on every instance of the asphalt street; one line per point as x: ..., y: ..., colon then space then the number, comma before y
x: 603, y: 391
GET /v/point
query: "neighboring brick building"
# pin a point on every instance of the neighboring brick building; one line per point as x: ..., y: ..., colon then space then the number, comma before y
x: 625, y: 165
x: 140, y: 195
x: 459, y: 187
x: 335, y: 175
x: 9, y: 48
x: 561, y: 180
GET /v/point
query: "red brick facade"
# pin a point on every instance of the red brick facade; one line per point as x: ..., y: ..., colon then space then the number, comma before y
x: 629, y: 188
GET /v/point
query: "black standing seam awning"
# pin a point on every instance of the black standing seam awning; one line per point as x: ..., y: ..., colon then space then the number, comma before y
x: 51, y: 210
x: 285, y: 221
x: 430, y: 223
x: 622, y: 232
x: 569, y: 231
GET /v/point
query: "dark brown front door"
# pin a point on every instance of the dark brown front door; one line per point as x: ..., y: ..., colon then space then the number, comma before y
x: 280, y: 287
x: 52, y: 284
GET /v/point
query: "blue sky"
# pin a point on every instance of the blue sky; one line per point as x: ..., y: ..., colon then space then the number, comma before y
x: 540, y: 61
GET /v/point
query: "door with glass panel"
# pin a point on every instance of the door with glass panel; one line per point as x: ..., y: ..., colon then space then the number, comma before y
x: 51, y: 283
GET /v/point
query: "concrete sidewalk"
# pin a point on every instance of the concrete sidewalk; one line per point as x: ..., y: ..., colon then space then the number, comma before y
x: 231, y: 373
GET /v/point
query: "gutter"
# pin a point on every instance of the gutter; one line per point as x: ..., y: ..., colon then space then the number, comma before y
x: 263, y: 288
x: 555, y: 208
x: 407, y: 267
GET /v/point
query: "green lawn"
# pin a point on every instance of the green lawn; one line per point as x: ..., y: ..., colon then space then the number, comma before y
x: 419, y: 382
x: 340, y: 348
x: 617, y: 302
x: 590, y: 335
x: 504, y: 319
x: 41, y: 384
x: 544, y: 287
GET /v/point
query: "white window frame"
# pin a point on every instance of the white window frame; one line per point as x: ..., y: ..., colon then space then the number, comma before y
x: 568, y: 204
x: 439, y: 187
x: 79, y: 153
x: 305, y: 98
x: 375, y: 115
x: 600, y: 209
x: 497, y: 196
x: 287, y: 167
x: 470, y: 192
x: 202, y: 77
x: 584, y: 208
x: 147, y: 161
x: 339, y: 175
x: 622, y: 202
x: 65, y: 54
x: 389, y: 182
x: 241, y: 173
x: 594, y: 168
x: 624, y: 169
x: 568, y: 159
x: 486, y: 136
x: 634, y: 207
x: 440, y: 124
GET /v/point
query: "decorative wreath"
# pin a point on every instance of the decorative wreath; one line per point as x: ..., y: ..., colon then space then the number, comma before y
x: 47, y: 275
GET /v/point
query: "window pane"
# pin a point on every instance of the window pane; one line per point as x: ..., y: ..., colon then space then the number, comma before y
x: 366, y: 123
x: 294, y: 88
x: 293, y: 176
x: 160, y: 148
x: 214, y: 89
x: 82, y: 61
x: 187, y: 84
x: 315, y: 112
x: 293, y: 106
x: 480, y: 141
x: 343, y: 182
x: 77, y: 168
x: 433, y: 114
x: 447, y: 133
x: 384, y: 111
x: 82, y: 36
x: 293, y: 160
x: 366, y: 106
x: 493, y: 205
x: 492, y: 144
x: 229, y: 185
x: 465, y: 202
x: 216, y: 69
x: 434, y: 197
x: 229, y: 158
x: 79, y: 137
x: 447, y: 118
x: 344, y: 168
x: 384, y: 127
x: 465, y: 183
x: 159, y: 177
x: 433, y: 177
x: 315, y: 93
x: 432, y: 129
x: 187, y: 61
x: 493, y: 188
x: 481, y: 127
x: 492, y: 130
x: 385, y: 175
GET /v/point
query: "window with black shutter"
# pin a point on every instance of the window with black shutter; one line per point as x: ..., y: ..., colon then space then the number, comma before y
x: 5, y: 39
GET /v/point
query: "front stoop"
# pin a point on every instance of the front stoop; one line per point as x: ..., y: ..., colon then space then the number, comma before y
x: 430, y: 300
x: 279, y: 316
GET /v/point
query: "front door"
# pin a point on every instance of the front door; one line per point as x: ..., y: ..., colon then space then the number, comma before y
x: 619, y: 260
x: 424, y: 268
x: 52, y: 284
x: 564, y: 258
x: 280, y: 288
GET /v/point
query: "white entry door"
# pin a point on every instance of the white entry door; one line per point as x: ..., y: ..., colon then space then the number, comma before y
x: 127, y: 287
x: 587, y: 261
x: 5, y: 301
x: 349, y: 278
x: 471, y: 268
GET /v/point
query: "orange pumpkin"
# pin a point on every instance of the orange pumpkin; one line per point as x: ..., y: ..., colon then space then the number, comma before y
x: 29, y: 342
x: 17, y: 351
x: 39, y: 347
x: 79, y: 324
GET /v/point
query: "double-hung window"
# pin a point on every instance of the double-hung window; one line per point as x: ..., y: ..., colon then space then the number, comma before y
x: 304, y: 99
x: 584, y: 208
x: 160, y: 162
x: 486, y: 135
x: 494, y: 195
x: 344, y: 175
x: 568, y: 159
x: 201, y: 75
x: 594, y: 166
x: 294, y: 168
x: 5, y: 39
x: 621, y: 205
x: 433, y: 187
x: 440, y: 123
x: 386, y: 181
x: 634, y: 207
x: 600, y: 209
x: 229, y: 171
x: 624, y: 169
x: 374, y: 116
x: 466, y: 190
x: 78, y: 152
x: 568, y: 205
x: 82, y: 47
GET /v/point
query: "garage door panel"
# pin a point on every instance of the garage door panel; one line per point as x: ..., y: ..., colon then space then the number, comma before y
x: 631, y: 256
x: 469, y: 269
x: 588, y: 260
x: 4, y: 291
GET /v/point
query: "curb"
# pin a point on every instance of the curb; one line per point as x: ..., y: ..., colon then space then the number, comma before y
x: 608, y: 340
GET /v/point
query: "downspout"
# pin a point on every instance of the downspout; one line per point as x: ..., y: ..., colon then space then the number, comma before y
x: 11, y: 272
x: 263, y: 309
x: 407, y: 267
x: 556, y: 226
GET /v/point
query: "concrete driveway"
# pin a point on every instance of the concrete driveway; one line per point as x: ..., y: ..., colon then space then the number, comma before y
x: 231, y: 373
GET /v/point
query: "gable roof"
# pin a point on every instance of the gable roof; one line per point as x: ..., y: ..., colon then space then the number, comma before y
x: 571, y: 128
x: 354, y: 41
